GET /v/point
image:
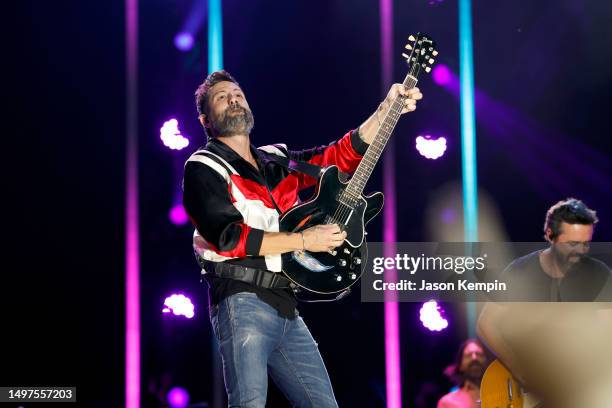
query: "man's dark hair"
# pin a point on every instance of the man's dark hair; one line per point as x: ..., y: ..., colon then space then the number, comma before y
x: 453, y: 371
x: 201, y: 94
x: 570, y: 211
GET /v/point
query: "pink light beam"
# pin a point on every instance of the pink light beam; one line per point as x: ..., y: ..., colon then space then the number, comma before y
x: 132, y: 238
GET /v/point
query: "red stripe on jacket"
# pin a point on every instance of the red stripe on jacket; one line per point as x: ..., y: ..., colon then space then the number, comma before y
x: 285, y: 192
x: 239, y: 250
x: 252, y: 190
x: 340, y: 153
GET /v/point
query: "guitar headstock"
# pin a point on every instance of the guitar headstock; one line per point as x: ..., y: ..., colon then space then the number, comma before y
x: 422, y: 52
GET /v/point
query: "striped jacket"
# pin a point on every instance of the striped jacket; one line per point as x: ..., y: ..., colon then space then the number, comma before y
x: 231, y: 204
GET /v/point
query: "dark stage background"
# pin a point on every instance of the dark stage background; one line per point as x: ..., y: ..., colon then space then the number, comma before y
x: 311, y: 72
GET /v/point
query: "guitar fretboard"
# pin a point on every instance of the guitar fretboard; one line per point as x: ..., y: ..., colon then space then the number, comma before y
x: 361, y: 176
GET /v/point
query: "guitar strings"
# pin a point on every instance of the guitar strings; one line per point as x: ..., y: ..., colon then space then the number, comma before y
x: 410, y: 81
x: 343, y: 210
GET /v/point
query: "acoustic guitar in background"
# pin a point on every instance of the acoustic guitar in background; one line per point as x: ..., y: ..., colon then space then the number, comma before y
x: 499, y: 389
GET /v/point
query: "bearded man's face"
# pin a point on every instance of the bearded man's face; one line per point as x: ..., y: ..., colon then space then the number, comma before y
x: 229, y: 112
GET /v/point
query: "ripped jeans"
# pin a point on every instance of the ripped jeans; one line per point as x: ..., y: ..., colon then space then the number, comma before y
x: 254, y: 341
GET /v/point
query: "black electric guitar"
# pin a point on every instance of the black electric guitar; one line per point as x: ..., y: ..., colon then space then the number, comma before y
x: 343, y: 203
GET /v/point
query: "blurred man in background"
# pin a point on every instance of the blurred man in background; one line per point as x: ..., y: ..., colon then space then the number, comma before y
x: 466, y: 372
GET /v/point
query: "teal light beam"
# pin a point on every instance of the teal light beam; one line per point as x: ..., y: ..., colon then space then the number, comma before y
x: 215, y: 36
x: 215, y: 63
x: 468, y: 139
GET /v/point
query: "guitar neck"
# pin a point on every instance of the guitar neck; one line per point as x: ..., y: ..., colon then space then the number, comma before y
x: 374, y: 151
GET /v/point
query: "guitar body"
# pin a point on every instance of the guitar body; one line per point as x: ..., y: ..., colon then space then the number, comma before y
x: 324, y: 272
x: 499, y: 389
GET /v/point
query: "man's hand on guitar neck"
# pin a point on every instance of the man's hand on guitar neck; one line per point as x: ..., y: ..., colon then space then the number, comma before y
x: 369, y: 128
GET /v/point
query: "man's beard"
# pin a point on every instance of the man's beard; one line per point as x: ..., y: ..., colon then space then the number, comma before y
x: 566, y: 260
x: 474, y: 373
x: 232, y: 123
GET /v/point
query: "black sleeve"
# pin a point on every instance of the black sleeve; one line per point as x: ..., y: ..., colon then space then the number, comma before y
x: 358, y: 145
x: 208, y: 203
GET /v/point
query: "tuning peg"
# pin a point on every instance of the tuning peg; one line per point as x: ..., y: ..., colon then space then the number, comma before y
x: 431, y: 60
x: 434, y: 53
x: 427, y: 69
x: 405, y: 55
x: 411, y: 38
x: 408, y: 47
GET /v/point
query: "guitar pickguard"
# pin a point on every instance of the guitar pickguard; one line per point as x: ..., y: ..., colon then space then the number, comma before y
x: 309, y: 262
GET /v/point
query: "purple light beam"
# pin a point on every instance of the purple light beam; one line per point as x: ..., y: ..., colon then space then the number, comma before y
x: 132, y: 239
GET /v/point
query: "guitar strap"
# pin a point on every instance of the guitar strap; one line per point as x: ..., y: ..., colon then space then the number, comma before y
x: 309, y: 169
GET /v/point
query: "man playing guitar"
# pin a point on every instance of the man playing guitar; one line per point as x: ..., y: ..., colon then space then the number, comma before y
x: 234, y: 194
x: 560, y: 351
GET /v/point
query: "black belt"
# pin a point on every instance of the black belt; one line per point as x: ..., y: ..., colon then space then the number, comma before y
x: 258, y: 277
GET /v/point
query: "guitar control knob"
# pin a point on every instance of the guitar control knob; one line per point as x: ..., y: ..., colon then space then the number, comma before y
x: 338, y: 277
x: 347, y: 251
x: 353, y: 276
x: 342, y: 262
x: 334, y: 252
x: 357, y: 261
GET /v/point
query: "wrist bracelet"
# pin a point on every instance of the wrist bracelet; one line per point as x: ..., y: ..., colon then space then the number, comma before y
x: 303, y: 241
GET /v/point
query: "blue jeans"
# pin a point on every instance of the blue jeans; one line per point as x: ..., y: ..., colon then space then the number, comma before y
x: 254, y: 341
